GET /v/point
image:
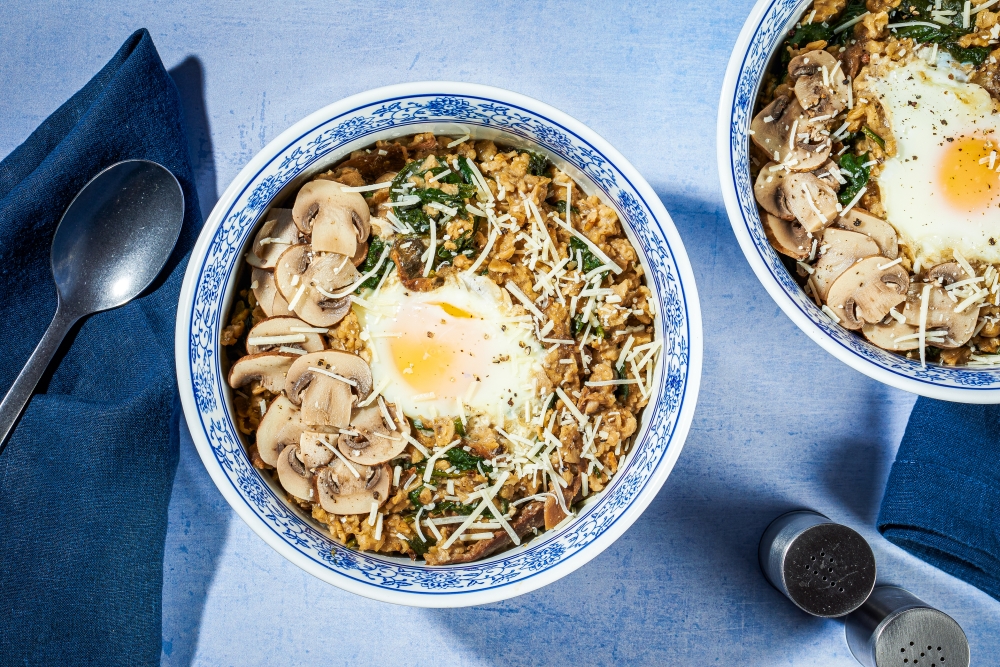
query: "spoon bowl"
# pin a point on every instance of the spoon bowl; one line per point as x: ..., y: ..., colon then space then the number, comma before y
x: 112, y: 242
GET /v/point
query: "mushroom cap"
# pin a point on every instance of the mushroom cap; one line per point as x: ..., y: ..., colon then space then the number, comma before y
x: 877, y: 229
x: 767, y: 191
x: 337, y: 220
x: 280, y: 232
x: 299, y: 266
x: 866, y: 291
x: 328, y: 273
x: 884, y: 334
x: 845, y: 249
x: 279, y: 427
x: 294, y: 261
x: 293, y: 474
x: 947, y: 273
x: 819, y: 94
x: 941, y: 315
x: 325, y: 400
x: 811, y: 201
x: 266, y: 293
x: 312, y: 450
x: 773, y: 136
x: 788, y: 238
x: 377, y: 441
x: 281, y: 326
x: 340, y: 492
x: 269, y: 368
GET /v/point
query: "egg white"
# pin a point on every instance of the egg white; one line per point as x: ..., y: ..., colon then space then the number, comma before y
x: 463, y: 342
x: 936, y: 193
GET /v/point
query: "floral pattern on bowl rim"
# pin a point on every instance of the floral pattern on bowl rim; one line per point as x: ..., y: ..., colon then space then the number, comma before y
x: 762, y: 34
x: 331, y: 133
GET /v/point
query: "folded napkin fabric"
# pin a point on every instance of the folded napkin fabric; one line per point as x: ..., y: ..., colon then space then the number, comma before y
x: 942, y: 500
x: 85, y: 479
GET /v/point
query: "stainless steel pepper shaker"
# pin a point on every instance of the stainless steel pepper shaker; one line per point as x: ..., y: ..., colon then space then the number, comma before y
x: 826, y: 569
x: 896, y: 628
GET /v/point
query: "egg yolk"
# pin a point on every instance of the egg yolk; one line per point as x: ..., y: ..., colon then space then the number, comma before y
x: 968, y: 184
x: 434, y: 349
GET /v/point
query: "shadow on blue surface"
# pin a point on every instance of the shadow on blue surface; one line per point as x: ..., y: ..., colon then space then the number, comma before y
x: 196, y: 504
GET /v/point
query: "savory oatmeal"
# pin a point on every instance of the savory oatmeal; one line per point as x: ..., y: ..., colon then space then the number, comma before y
x: 442, y: 347
x: 875, y: 160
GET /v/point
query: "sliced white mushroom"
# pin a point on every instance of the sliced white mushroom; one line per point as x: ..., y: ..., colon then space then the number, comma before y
x: 811, y: 201
x: 307, y: 279
x: 326, y: 385
x: 337, y: 220
x: 275, y: 235
x: 956, y: 328
x: 313, y: 449
x: 268, y: 368
x: 878, y: 230
x: 289, y: 269
x: 341, y: 492
x: 866, y: 292
x: 947, y: 273
x: 885, y: 335
x: 787, y: 237
x: 377, y: 441
x: 839, y: 250
x: 767, y: 190
x: 826, y: 174
x: 275, y: 332
x: 783, y: 131
x: 279, y: 427
x: 820, y: 83
x: 293, y: 474
x: 265, y: 290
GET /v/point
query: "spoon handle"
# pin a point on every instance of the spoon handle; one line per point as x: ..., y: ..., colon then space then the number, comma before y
x: 20, y: 393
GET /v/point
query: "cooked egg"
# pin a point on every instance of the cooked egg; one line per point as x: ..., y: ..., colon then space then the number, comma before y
x: 459, y: 348
x: 941, y: 191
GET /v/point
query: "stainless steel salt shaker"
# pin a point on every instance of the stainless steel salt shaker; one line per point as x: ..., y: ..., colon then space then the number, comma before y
x: 823, y: 567
x: 896, y: 628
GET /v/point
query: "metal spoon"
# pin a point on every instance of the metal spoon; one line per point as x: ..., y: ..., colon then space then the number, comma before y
x: 111, y: 243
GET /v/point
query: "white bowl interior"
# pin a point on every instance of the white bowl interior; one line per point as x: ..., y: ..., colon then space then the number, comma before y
x: 207, y: 296
x: 762, y: 35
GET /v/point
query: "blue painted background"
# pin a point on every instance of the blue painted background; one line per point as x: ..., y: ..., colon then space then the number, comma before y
x: 779, y: 425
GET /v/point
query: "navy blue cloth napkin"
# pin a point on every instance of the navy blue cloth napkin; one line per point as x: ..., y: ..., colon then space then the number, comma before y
x: 942, y: 500
x: 86, y: 477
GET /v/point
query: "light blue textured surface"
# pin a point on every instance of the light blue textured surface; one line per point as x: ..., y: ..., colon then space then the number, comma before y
x: 780, y: 424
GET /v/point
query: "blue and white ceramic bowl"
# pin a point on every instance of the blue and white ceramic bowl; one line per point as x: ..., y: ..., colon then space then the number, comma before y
x: 312, y: 145
x: 762, y: 35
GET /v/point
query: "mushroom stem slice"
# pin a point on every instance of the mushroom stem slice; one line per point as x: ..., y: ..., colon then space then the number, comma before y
x: 866, y: 292
x: 811, y: 201
x: 327, y: 385
x: 268, y: 368
x: 337, y: 220
x: 293, y: 474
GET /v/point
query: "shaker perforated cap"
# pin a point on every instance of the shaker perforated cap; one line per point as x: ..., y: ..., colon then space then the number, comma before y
x: 895, y: 628
x: 826, y: 569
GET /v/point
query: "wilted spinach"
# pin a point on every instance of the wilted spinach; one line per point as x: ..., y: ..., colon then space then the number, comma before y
x: 852, y: 168
x: 590, y: 262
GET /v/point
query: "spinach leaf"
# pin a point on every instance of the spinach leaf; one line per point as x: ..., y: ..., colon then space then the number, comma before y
x: 415, y: 218
x: 621, y: 392
x: 414, y: 497
x: 857, y: 176
x: 538, y: 164
x: 577, y: 326
x: 375, y: 249
x: 464, y: 245
x: 947, y: 36
x: 808, y: 33
x: 459, y: 427
x: 590, y: 262
x: 463, y: 460
x: 418, y: 545
x: 560, y: 206
x: 451, y: 506
x: 466, y: 170
x: 853, y: 10
x: 428, y: 195
x: 450, y: 178
x: 412, y: 168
